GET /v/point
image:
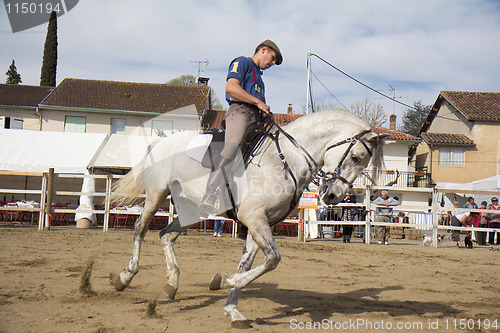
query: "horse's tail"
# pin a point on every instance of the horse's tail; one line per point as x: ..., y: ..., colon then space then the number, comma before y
x: 129, y: 188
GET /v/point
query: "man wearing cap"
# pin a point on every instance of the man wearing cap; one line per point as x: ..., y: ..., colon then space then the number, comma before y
x: 245, y: 93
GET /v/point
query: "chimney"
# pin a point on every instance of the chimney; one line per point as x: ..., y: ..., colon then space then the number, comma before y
x: 289, y: 109
x: 392, y: 122
x: 202, y: 81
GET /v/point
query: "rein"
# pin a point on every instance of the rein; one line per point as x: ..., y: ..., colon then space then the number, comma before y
x: 313, y: 166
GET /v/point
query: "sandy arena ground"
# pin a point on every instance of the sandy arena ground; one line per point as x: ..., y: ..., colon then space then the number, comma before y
x: 403, y: 287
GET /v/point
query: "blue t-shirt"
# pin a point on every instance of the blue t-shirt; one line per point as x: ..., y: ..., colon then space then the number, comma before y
x: 249, y: 74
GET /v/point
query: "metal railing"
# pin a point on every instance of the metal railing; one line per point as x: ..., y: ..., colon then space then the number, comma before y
x: 398, y: 179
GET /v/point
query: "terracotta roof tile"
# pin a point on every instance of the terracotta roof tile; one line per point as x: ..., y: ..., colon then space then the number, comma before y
x: 22, y: 95
x: 447, y: 139
x: 395, y: 135
x: 213, y: 119
x: 475, y: 105
x: 127, y: 96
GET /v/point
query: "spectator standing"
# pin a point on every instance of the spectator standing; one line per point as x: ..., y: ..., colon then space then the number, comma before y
x: 348, y: 214
x: 384, y: 214
x: 494, y: 221
x: 470, y: 204
x: 455, y: 210
x: 459, y: 220
x: 482, y: 223
x: 218, y: 228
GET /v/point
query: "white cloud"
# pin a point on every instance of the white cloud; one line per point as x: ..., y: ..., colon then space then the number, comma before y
x: 419, y: 48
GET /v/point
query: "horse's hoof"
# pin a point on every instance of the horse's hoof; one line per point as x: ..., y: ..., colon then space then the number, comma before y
x: 115, y: 280
x: 169, y: 291
x: 241, y: 324
x: 216, y: 282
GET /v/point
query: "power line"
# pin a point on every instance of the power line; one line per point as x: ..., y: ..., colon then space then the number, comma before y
x: 328, y: 90
x: 363, y: 84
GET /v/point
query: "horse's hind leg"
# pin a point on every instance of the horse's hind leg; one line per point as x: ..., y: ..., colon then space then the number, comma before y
x: 168, y: 236
x: 153, y: 201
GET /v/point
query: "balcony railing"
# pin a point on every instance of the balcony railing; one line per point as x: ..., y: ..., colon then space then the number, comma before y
x: 398, y: 179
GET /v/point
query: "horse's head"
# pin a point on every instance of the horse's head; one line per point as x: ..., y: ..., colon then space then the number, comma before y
x: 345, y: 160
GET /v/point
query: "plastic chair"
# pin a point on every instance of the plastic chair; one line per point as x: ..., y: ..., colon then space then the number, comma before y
x: 287, y: 228
x: 118, y: 218
x: 159, y: 222
x: 12, y: 215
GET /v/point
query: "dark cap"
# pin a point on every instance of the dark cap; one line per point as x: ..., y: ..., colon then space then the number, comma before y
x: 484, y: 203
x: 270, y: 44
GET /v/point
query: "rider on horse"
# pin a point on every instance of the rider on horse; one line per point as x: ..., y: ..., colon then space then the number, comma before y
x: 247, y: 102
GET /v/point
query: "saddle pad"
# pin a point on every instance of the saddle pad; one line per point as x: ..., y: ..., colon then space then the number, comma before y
x: 197, y: 147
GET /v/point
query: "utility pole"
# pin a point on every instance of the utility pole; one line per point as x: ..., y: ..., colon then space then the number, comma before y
x: 308, y: 85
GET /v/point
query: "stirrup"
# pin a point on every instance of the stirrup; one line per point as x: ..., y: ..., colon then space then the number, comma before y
x: 210, y: 205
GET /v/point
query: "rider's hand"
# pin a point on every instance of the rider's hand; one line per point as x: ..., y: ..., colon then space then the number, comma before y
x: 264, y: 107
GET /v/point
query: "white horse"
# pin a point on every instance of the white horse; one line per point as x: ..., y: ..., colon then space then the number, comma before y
x: 333, y: 144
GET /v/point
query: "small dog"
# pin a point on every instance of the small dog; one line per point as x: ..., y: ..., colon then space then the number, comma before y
x: 468, y: 241
x: 427, y: 240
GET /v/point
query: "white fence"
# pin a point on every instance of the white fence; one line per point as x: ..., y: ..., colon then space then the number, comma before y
x: 425, y: 217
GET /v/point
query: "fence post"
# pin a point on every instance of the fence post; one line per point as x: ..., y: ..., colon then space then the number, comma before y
x: 434, y: 217
x: 367, y: 218
x: 43, y: 198
x: 48, y: 205
x: 301, y: 231
x: 107, y: 203
x: 171, y: 211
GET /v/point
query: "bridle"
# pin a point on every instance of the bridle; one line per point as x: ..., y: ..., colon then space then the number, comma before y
x: 314, y: 168
x: 332, y: 176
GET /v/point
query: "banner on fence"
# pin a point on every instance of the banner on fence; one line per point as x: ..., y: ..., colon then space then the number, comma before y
x: 309, y: 199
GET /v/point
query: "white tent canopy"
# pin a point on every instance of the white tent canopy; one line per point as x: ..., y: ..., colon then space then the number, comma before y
x: 35, y: 151
x: 487, y: 184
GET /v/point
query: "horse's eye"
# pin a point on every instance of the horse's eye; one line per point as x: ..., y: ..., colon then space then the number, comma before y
x: 355, y: 159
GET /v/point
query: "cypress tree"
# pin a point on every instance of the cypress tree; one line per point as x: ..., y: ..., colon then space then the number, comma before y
x: 13, y: 77
x: 49, y: 65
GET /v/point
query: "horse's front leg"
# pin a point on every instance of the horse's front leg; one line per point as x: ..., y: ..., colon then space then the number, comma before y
x: 231, y: 308
x: 153, y: 201
x: 167, y: 237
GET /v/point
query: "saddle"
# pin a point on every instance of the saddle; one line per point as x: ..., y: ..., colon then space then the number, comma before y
x: 252, y: 141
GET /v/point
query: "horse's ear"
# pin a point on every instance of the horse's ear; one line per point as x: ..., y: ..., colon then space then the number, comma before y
x: 373, y: 137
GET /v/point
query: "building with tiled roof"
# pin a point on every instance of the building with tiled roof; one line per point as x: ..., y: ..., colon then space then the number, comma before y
x: 22, y: 95
x: 395, y: 135
x: 446, y: 139
x: 20, y: 102
x: 98, y: 95
x: 461, y: 137
x: 112, y: 107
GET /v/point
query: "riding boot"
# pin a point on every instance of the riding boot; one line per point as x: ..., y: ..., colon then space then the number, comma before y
x: 210, y: 202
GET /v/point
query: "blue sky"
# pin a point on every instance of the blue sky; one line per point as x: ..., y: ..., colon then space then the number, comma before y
x: 418, y: 48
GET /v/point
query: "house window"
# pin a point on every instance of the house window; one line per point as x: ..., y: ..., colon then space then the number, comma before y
x: 75, y: 124
x: 11, y: 122
x: 161, y: 128
x: 117, y: 126
x: 454, y: 157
